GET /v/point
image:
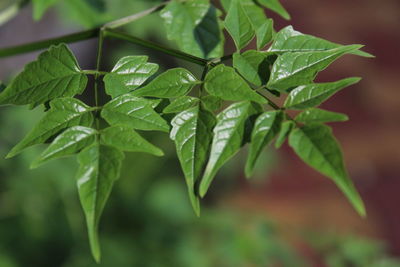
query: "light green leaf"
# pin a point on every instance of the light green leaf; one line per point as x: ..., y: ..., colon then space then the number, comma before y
x: 63, y: 113
x: 40, y: 7
x: 195, y: 26
x: 228, y: 138
x: 311, y: 95
x: 253, y: 66
x: 266, y: 127
x: 289, y: 40
x: 99, y: 168
x: 317, y: 147
x: 82, y: 13
x: 211, y: 102
x: 180, y: 104
x: 238, y: 24
x: 54, y: 74
x: 285, y: 129
x: 134, y: 111
x: 317, y: 115
x: 172, y: 83
x: 67, y: 143
x: 225, y: 83
x: 265, y: 33
x: 128, y: 74
x: 298, y: 68
x: 275, y: 6
x: 192, y: 133
x: 255, y: 13
x: 125, y: 138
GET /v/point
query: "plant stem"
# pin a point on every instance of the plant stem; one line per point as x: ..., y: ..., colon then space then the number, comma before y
x: 176, y: 53
x: 94, y: 72
x: 270, y: 102
x: 97, y: 74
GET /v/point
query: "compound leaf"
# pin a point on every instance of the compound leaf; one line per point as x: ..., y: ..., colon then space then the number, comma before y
x: 128, y: 74
x: 265, y: 33
x: 54, y: 74
x: 275, y: 6
x: 180, y: 104
x: 317, y: 147
x: 316, y: 115
x: 63, y: 113
x: 285, y: 129
x: 253, y: 66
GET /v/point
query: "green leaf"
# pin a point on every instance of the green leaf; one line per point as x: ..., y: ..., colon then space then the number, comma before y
x: 192, y: 133
x: 289, y: 40
x: 238, y: 24
x: 266, y: 127
x: 99, y: 168
x: 172, y: 83
x: 195, y: 26
x: 180, y: 104
x: 2, y: 86
x: 311, y: 95
x: 128, y: 74
x: 67, y: 143
x: 298, y: 68
x: 253, y: 66
x: 317, y: 115
x: 40, y: 7
x: 317, y: 147
x: 134, y: 111
x: 228, y: 138
x: 54, y: 74
x: 285, y: 129
x: 275, y: 6
x: 211, y: 102
x: 255, y: 13
x: 265, y: 33
x: 63, y: 113
x: 126, y: 139
x: 225, y: 83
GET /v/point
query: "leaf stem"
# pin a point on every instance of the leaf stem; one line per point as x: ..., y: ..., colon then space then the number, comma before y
x: 97, y: 74
x: 270, y: 102
x: 94, y: 72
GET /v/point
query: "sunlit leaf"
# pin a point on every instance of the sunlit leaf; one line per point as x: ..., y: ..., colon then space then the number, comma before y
x: 181, y: 103
x: 316, y: 115
x: 265, y: 33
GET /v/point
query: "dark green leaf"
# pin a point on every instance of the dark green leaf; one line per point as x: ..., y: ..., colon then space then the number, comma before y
x: 192, y: 133
x: 63, y: 113
x: 299, y: 68
x: 225, y: 83
x: 125, y: 138
x: 99, y: 168
x: 40, y: 7
x: 265, y: 33
x: 253, y: 66
x: 317, y: 147
x: 134, y: 111
x: 172, y: 83
x: 180, y: 104
x: 228, y: 138
x: 275, y: 6
x: 211, y: 102
x: 54, y: 74
x: 128, y: 74
x: 289, y: 40
x: 285, y: 129
x: 67, y: 143
x: 266, y: 127
x: 238, y: 24
x: 311, y: 95
x: 317, y: 115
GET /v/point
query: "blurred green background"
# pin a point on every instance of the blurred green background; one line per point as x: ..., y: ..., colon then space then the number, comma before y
x: 286, y: 216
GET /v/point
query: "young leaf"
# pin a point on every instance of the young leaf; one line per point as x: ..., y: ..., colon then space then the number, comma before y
x: 265, y: 33
x: 99, y: 168
x: 128, y: 74
x: 225, y: 83
x: 211, y: 102
x: 253, y: 66
x: 54, y: 74
x: 275, y: 6
x: 312, y: 95
x: 255, y: 13
x: 267, y: 126
x: 126, y: 139
x: 228, y: 138
x: 316, y: 115
x: 238, y: 24
x: 192, y: 133
x: 172, y: 83
x: 67, y: 143
x: 40, y: 7
x: 134, y: 111
x: 63, y: 113
x: 298, y: 68
x: 317, y: 147
x: 180, y: 104
x: 285, y: 129
x: 289, y: 40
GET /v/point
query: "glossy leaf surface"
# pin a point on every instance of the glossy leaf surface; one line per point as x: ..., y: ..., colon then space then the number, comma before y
x: 180, y: 104
x: 284, y: 132
x: 317, y: 147
x: 253, y: 66
x: 316, y: 115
